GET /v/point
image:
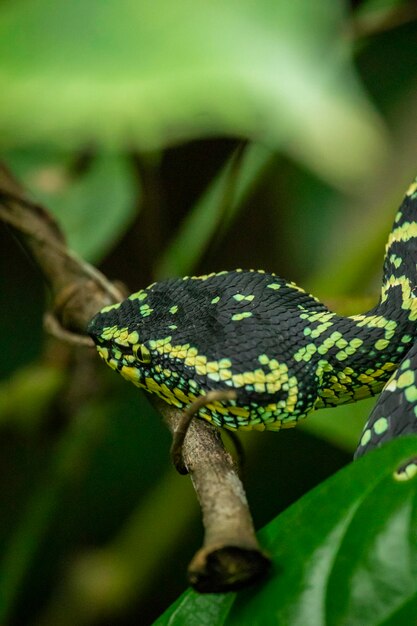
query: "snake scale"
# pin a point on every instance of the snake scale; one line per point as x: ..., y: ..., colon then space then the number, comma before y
x: 281, y: 350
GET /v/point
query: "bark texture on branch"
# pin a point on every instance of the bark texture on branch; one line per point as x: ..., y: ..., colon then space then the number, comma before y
x: 230, y: 557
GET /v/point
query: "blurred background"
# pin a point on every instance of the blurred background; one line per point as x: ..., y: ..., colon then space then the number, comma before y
x: 171, y: 137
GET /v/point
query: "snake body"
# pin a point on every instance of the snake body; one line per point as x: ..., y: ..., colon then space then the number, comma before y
x: 280, y: 349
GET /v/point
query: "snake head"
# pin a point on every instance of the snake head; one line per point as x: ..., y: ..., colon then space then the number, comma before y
x: 183, y: 337
x: 144, y: 339
x: 116, y: 332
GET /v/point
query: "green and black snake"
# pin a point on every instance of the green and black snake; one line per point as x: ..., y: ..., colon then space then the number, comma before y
x: 280, y: 349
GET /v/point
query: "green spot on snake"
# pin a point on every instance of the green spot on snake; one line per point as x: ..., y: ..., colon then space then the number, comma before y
x: 380, y: 426
x: 411, y: 394
x: 240, y: 298
x: 241, y: 316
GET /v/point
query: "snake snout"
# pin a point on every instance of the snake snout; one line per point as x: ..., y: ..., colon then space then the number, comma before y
x: 95, y: 329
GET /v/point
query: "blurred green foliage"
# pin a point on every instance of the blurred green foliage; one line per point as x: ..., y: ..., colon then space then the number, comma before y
x: 173, y: 137
x: 150, y: 73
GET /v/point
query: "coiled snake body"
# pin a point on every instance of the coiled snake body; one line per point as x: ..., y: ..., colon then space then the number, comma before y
x: 280, y: 349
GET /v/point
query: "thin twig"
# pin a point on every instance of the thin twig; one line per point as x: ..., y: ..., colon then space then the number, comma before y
x: 231, y: 557
x: 54, y: 328
x: 183, y: 425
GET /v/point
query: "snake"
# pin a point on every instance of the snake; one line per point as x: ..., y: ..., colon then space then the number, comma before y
x: 280, y: 350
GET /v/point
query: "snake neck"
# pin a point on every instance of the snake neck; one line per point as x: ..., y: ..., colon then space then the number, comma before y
x: 359, y: 354
x: 396, y: 311
x: 399, y: 285
x: 373, y: 344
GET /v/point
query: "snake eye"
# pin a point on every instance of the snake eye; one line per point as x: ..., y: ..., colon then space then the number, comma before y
x: 142, y: 353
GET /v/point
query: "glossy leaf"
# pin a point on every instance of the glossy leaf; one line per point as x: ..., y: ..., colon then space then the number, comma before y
x: 343, y: 554
x: 194, y: 609
x: 121, y: 74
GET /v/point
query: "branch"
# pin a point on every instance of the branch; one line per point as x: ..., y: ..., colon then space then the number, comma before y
x: 231, y: 556
x: 78, y: 289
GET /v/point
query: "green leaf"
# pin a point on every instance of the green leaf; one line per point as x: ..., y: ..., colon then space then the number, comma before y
x: 194, y: 609
x: 101, y: 202
x: 344, y: 554
x: 146, y: 74
x: 94, y: 209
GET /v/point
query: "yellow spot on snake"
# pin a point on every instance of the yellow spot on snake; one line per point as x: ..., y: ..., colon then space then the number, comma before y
x: 411, y: 394
x: 407, y: 473
x: 133, y: 337
x: 363, y: 378
x: 140, y: 295
x: 366, y: 437
x: 412, y: 189
x: 406, y: 379
x: 381, y: 344
x: 110, y: 307
x: 380, y: 426
x: 130, y: 373
x: 240, y: 298
x: 103, y: 352
x: 240, y: 316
